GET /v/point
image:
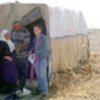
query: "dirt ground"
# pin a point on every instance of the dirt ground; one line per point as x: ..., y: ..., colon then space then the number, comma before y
x: 86, y: 82
x: 87, y: 88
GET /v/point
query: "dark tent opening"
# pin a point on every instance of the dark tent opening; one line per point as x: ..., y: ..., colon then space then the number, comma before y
x: 32, y: 18
x: 30, y: 26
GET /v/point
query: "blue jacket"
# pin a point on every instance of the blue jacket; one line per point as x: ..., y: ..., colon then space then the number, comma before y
x: 43, y: 49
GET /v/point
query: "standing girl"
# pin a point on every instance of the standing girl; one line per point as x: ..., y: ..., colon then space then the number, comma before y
x: 40, y: 52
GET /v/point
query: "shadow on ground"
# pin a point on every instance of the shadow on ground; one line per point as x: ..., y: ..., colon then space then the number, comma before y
x: 32, y: 96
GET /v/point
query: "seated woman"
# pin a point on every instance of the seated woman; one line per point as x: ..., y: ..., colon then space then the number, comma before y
x: 7, y: 63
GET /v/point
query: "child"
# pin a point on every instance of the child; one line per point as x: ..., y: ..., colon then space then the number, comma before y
x: 7, y: 63
x: 40, y: 51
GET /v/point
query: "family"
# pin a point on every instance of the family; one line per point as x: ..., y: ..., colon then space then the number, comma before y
x: 15, y: 50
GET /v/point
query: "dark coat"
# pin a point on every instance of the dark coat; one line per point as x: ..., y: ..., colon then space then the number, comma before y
x: 4, y: 50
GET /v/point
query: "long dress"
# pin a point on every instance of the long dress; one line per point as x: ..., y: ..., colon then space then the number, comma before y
x: 31, y: 72
x: 7, y: 70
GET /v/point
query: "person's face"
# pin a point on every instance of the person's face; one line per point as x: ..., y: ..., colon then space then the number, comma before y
x: 7, y: 36
x: 37, y: 31
x: 17, y: 27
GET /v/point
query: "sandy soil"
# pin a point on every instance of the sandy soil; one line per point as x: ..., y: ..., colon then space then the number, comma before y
x: 86, y: 84
x: 88, y: 89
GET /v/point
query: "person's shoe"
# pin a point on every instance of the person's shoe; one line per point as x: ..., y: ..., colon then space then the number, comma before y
x: 37, y: 91
x: 24, y: 92
x: 44, y: 97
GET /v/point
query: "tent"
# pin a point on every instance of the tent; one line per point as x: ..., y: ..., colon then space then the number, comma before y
x: 67, y: 31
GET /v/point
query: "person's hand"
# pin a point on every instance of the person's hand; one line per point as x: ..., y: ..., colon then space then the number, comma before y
x: 33, y: 55
x: 8, y: 58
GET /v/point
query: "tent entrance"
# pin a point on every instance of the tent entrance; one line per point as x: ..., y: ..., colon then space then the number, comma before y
x: 34, y: 17
x: 30, y: 26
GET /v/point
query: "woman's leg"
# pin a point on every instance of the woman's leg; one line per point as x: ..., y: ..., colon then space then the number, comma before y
x: 41, y: 74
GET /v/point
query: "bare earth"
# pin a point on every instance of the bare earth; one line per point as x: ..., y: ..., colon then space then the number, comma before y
x: 88, y: 89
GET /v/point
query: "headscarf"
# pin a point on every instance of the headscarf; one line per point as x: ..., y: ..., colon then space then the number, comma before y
x: 9, y: 42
